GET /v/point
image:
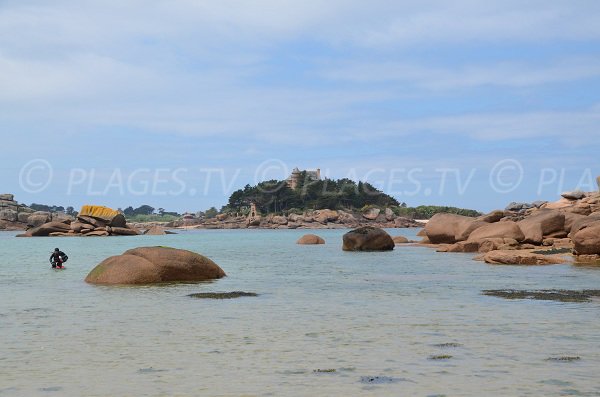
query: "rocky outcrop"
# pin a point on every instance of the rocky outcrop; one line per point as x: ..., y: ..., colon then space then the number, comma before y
x: 13, y: 216
x: 50, y: 227
x: 492, y: 217
x: 99, y: 221
x: 521, y: 258
x: 38, y: 218
x: 106, y: 215
x: 308, y: 239
x: 587, y: 240
x: 525, y: 233
x: 318, y: 219
x: 367, y: 239
x: 575, y: 195
x: 504, y: 229
x: 450, y: 228
x: 540, y: 224
x: 149, y: 265
x: 279, y: 220
x: 326, y: 216
x: 371, y: 213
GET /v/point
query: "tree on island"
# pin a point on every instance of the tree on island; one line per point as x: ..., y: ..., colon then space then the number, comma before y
x: 211, y: 213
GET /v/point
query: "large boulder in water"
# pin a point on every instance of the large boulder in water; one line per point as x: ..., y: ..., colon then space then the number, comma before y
x: 587, y: 239
x: 367, y: 239
x: 147, y: 265
x: 308, y: 239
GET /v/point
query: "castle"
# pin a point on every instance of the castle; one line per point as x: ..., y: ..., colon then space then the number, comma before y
x: 296, y: 175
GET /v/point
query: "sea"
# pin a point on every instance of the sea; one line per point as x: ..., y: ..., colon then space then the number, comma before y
x: 409, y: 322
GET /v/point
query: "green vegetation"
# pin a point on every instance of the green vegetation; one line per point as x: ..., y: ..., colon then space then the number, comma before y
x: 276, y: 196
x: 427, y: 211
x: 145, y: 213
x: 211, y: 213
x: 440, y: 357
x: 53, y: 208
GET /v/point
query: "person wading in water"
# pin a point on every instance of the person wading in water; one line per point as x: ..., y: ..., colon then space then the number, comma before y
x: 57, y: 258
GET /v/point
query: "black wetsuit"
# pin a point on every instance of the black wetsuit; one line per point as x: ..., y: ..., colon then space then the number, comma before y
x: 57, y: 258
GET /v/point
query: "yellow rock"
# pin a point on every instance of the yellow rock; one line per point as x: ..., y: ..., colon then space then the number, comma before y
x: 98, y: 211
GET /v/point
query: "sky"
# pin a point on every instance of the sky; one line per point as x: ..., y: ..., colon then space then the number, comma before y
x: 178, y: 103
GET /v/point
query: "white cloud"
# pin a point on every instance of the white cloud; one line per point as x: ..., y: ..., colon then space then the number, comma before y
x: 194, y: 68
x: 510, y: 74
x: 478, y: 22
x: 575, y: 128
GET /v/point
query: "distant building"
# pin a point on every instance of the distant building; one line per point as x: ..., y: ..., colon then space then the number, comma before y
x: 253, y: 211
x: 296, y: 175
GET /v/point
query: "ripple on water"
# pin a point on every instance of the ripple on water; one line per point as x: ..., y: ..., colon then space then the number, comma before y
x: 51, y: 388
x: 150, y: 370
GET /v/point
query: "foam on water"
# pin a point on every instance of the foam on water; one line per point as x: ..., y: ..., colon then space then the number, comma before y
x: 360, y: 316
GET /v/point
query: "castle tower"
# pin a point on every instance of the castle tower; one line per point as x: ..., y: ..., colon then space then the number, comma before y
x: 253, y: 211
x: 294, y: 178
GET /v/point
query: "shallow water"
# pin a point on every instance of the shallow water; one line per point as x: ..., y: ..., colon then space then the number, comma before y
x: 376, y: 318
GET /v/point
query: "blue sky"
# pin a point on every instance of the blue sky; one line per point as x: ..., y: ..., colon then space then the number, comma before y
x: 178, y: 103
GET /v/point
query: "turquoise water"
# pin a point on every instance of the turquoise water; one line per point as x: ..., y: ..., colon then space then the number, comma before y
x: 362, y: 314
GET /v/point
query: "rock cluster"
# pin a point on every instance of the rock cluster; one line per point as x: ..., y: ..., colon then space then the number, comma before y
x: 318, y: 219
x: 148, y: 265
x: 15, y: 216
x: 92, y: 220
x: 571, y: 222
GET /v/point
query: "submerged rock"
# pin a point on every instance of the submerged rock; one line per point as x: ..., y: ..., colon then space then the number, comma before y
x: 561, y: 295
x: 564, y: 358
x: 310, y: 239
x: 400, y: 240
x: 517, y: 257
x: 222, y: 295
x: 147, y: 265
x: 367, y: 239
x: 380, y: 379
x: 440, y: 357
